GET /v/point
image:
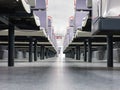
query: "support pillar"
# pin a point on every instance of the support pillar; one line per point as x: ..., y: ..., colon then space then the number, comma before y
x: 30, y: 49
x: 73, y: 53
x: 89, y: 51
x: 42, y: 52
x: 15, y: 53
x: 35, y: 50
x: 46, y: 53
x: 109, y: 51
x: 69, y: 54
x: 11, y: 39
x: 24, y: 54
x: 77, y: 52
x: 85, y: 51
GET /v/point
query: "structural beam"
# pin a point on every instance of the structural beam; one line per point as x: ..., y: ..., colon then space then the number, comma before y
x: 47, y: 51
x: 11, y: 39
x: 89, y: 50
x: 42, y: 52
x: 35, y: 50
x: 85, y: 51
x: 30, y: 49
x: 73, y: 53
x: 77, y: 52
x: 110, y: 51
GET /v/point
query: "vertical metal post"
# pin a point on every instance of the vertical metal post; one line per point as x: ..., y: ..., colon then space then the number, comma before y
x: 85, y: 51
x: 24, y: 54
x: 50, y: 53
x: 11, y: 39
x: 46, y: 53
x: 109, y: 51
x: 42, y: 52
x: 35, y: 50
x: 30, y: 49
x: 15, y: 53
x: 89, y: 51
x: 69, y: 54
x: 73, y: 53
x: 78, y: 52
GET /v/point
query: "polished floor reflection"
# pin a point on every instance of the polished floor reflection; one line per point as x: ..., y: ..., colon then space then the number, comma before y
x: 57, y: 74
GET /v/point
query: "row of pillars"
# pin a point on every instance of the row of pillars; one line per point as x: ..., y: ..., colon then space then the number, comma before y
x: 76, y: 51
x: 88, y: 48
x: 44, y: 52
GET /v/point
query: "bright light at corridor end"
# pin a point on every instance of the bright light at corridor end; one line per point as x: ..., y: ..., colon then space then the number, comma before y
x: 60, y: 10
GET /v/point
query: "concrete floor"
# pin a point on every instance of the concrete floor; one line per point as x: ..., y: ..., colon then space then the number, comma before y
x: 59, y: 74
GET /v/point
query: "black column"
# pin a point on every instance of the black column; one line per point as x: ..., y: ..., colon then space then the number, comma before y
x: 73, y: 53
x: 85, y: 51
x: 70, y: 54
x: 30, y: 49
x: 35, y: 50
x: 24, y: 54
x: 109, y: 51
x: 38, y: 53
x: 77, y: 52
x: 67, y: 54
x: 46, y: 51
x: 11, y: 39
x: 89, y: 51
x: 42, y: 52
x: 50, y: 54
x: 15, y: 53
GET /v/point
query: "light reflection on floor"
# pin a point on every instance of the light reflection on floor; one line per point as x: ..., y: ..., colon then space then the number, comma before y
x: 59, y: 74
